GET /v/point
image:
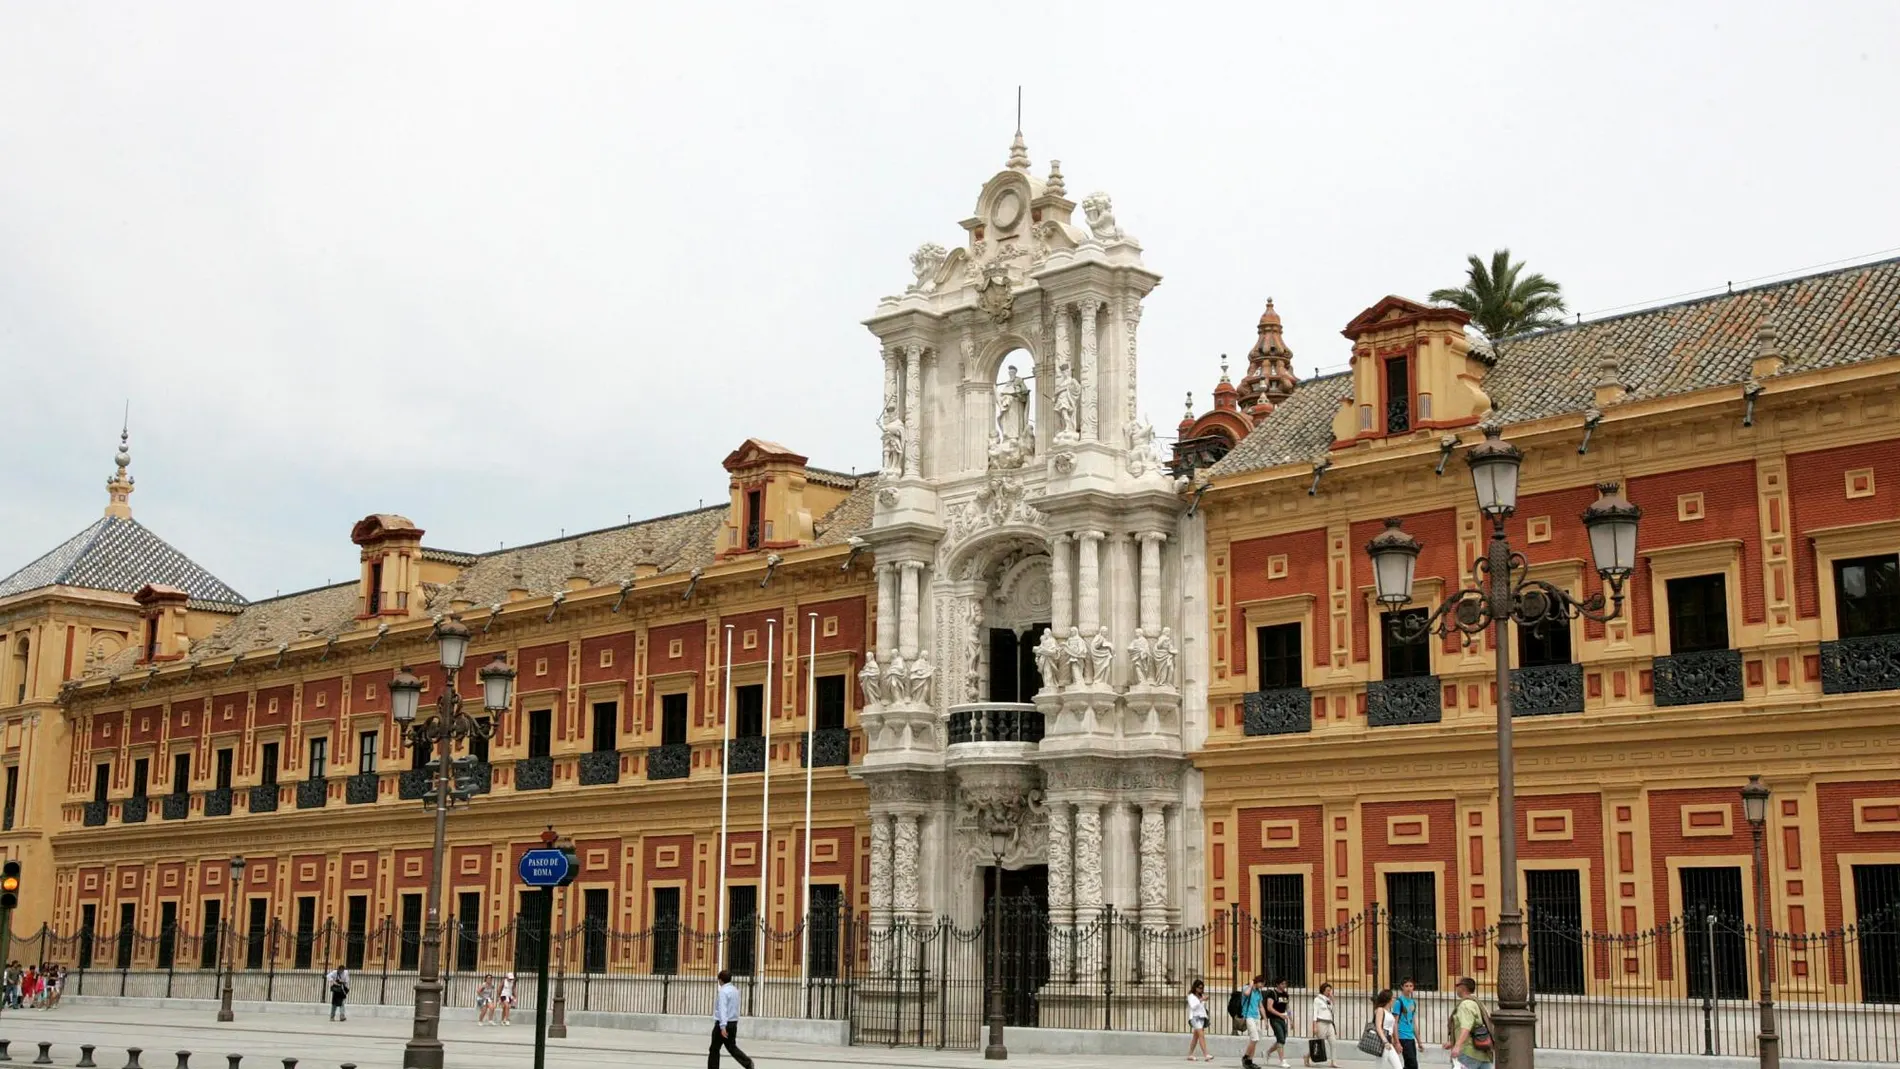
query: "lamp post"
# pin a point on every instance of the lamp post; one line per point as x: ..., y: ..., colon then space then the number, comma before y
x: 1000, y: 832
x: 448, y: 725
x: 230, y: 899
x: 1501, y: 593
x: 1755, y: 808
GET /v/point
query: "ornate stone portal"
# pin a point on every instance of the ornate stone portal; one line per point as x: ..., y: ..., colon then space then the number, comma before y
x: 1029, y: 555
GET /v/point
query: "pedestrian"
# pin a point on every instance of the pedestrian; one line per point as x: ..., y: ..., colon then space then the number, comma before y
x: 339, y: 980
x: 58, y: 986
x: 1250, y: 1015
x: 1277, y: 1004
x: 1470, y: 1043
x: 485, y: 1000
x: 507, y: 997
x: 1321, y: 1047
x: 1385, y: 1024
x: 725, y: 1030
x: 1405, y: 1008
x: 1197, y: 1020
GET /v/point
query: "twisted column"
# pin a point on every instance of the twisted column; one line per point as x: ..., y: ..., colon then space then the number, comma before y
x: 1088, y: 889
x: 913, y: 408
x: 1061, y: 889
x: 880, y: 891
x: 1153, y: 887
x: 1089, y: 306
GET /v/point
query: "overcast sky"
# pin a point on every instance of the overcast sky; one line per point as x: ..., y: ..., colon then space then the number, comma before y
x: 510, y: 269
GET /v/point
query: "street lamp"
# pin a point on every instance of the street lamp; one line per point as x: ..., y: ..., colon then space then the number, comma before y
x: 448, y: 725
x: 1000, y: 832
x: 230, y: 899
x: 1755, y: 808
x: 1502, y: 592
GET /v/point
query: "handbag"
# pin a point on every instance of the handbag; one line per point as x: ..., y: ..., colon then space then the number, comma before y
x: 1481, y: 1031
x: 1370, y: 1041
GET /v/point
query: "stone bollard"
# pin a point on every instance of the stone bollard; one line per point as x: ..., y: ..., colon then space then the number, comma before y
x: 85, y: 1057
x: 46, y: 1055
x: 233, y: 1059
x: 290, y: 1063
x: 348, y: 1065
x: 4, y: 1056
x: 184, y: 1059
x: 132, y: 1058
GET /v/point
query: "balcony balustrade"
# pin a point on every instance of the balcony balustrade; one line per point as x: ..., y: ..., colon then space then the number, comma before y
x: 362, y: 788
x: 313, y: 793
x: 1704, y: 678
x: 670, y: 761
x: 995, y: 722
x: 1281, y: 711
x: 1860, y: 665
x: 264, y: 798
x: 534, y: 774
x: 1394, y: 702
x: 1547, y: 690
x: 218, y: 802
x: 600, y: 767
x: 831, y: 745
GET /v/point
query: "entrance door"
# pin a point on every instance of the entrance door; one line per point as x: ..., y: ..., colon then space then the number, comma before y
x: 594, y: 936
x: 1555, y: 899
x: 742, y: 915
x: 1712, y: 903
x: 1023, y: 930
x: 1282, y: 920
x: 1877, y: 919
x: 1412, y: 900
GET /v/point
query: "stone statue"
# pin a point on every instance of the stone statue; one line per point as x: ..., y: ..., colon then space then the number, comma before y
x: 870, y: 679
x: 1141, y: 657
x: 1164, y: 659
x: 892, y: 431
x: 1049, y: 659
x: 1101, y: 657
x: 924, y: 264
x: 896, y: 680
x: 1141, y: 446
x: 920, y: 673
x: 1101, y: 216
x: 1068, y: 394
x: 1075, y: 650
x: 973, y: 641
x: 1012, y: 407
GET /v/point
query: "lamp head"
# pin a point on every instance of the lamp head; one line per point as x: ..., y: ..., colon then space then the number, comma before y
x: 1611, y: 521
x: 405, y: 695
x: 498, y: 684
x: 1394, y: 562
x: 1494, y: 467
x: 451, y: 642
x: 1755, y: 801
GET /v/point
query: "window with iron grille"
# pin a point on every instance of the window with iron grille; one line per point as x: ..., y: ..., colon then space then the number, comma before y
x: 743, y: 915
x: 411, y: 932
x: 128, y: 922
x: 89, y: 922
x: 468, y: 931
x: 673, y: 719
x: 754, y: 507
x: 1398, y: 395
x: 213, y: 935
x: 1713, y: 944
x: 528, y: 920
x: 167, y: 934
x: 1401, y: 658
x: 1698, y: 613
x: 594, y: 936
x: 1877, y: 920
x: 255, y: 933
x: 666, y: 930
x: 1867, y: 596
x: 1555, y: 901
x: 356, y: 932
x: 1282, y: 919
x: 1278, y: 650
x: 826, y: 919
x: 1412, y: 920
x: 306, y: 931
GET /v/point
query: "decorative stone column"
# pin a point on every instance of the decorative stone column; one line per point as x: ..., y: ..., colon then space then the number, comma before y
x: 1131, y: 320
x: 1151, y: 582
x: 1061, y: 890
x: 893, y: 404
x: 1062, y: 347
x: 1088, y: 579
x: 904, y: 879
x: 913, y: 409
x: 886, y: 611
x: 880, y: 892
x: 1153, y: 886
x: 1088, y: 888
x: 1088, y: 306
x: 909, y: 573
x: 1061, y: 597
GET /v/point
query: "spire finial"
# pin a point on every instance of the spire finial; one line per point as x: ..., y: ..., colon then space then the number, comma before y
x: 1018, y: 151
x: 1223, y: 368
x: 119, y: 486
x: 1055, y: 187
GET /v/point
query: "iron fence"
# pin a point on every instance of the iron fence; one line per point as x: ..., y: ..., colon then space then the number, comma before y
x: 1687, y: 986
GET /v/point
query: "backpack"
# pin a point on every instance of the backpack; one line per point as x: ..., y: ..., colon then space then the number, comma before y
x: 1237, y: 1002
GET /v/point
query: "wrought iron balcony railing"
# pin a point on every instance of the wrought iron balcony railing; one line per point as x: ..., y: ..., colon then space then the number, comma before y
x: 415, y: 783
x: 1860, y: 665
x: 534, y: 773
x: 1412, y: 700
x: 264, y: 798
x: 1699, y: 678
x: 995, y: 722
x: 95, y: 814
x: 313, y: 793
x: 361, y: 789
x: 218, y: 802
x: 1547, y: 690
x: 175, y: 806
x: 747, y: 754
x: 670, y: 761
x: 599, y: 767
x: 832, y: 745
x: 481, y: 774
x: 1281, y: 711
x: 134, y: 809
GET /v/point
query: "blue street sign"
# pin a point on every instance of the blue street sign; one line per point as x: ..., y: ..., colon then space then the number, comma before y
x: 545, y: 868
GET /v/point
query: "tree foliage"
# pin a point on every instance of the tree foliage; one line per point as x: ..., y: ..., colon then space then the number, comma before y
x: 1502, y: 300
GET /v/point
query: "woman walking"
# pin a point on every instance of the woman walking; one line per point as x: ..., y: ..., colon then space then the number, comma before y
x: 1324, y: 1029
x: 1386, y: 1024
x: 507, y: 997
x: 1197, y: 1020
x: 485, y: 1000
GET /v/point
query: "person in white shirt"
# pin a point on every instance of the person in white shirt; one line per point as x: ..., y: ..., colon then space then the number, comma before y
x: 1197, y: 1021
x: 1324, y: 1029
x: 507, y: 998
x: 339, y: 979
x: 725, y: 1030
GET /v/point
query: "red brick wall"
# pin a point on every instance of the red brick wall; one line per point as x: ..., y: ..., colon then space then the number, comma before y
x: 145, y: 722
x: 692, y: 658
x: 621, y: 645
x: 1253, y: 847
x: 331, y: 692
x: 1839, y: 837
x: 1667, y: 841
x: 850, y: 638
x: 1569, y: 540
x: 755, y: 622
x: 1729, y: 511
x: 1445, y: 839
x: 1817, y: 495
x: 682, y: 871
x: 1306, y: 563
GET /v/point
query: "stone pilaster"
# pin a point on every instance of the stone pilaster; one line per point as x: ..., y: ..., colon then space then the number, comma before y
x: 1089, y: 306
x: 913, y: 409
x: 907, y: 608
x: 1061, y: 887
x: 1089, y: 581
x: 1153, y: 887
x: 904, y: 873
x: 886, y: 611
x: 880, y: 890
x: 1061, y: 594
x: 1151, y: 582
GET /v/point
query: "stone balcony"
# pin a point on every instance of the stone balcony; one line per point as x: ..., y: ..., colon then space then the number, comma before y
x: 1547, y: 690
x: 985, y: 733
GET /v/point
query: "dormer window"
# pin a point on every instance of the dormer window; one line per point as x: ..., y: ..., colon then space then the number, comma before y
x: 151, y: 638
x: 1398, y: 395
x: 375, y: 588
x: 754, y: 518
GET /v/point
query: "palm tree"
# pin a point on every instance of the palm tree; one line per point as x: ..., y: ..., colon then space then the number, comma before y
x: 1503, y: 301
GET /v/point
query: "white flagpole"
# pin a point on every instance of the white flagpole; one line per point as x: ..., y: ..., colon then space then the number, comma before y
x: 725, y: 779
x: 811, y: 719
x: 765, y: 802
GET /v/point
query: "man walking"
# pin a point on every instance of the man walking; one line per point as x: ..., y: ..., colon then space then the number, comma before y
x: 1470, y: 1045
x: 725, y: 1031
x: 1405, y: 1008
x: 1251, y: 1010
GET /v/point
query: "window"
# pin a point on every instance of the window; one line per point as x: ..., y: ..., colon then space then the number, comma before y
x: 528, y: 921
x: 749, y: 711
x: 1867, y: 596
x: 141, y: 776
x: 88, y: 922
x: 1279, y: 652
x: 306, y: 931
x: 255, y: 932
x: 1412, y: 905
x: 128, y: 925
x: 1713, y: 944
x: 356, y: 932
x: 1555, y: 898
x: 151, y: 638
x: 1877, y: 917
x: 411, y: 956
x: 1544, y: 645
x: 1282, y: 926
x: 594, y: 934
x: 13, y: 795
x: 181, y: 773
x: 224, y: 769
x: 167, y: 934
x: 1698, y: 613
x: 1404, y: 659
x: 606, y: 726
x: 754, y: 505
x: 375, y: 604
x: 267, y: 770
x: 366, y: 752
x: 22, y: 664
x: 673, y: 719
x: 478, y: 744
x: 208, y: 950
x: 101, y: 781
x: 742, y: 914
x: 830, y: 712
x: 468, y: 931
x: 827, y: 918
x: 666, y: 930
x: 540, y: 732
x: 319, y: 758
x: 1398, y: 396
x: 420, y: 756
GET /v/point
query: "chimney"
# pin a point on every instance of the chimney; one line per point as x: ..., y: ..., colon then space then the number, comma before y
x: 517, y: 586
x: 1609, y: 388
x: 646, y: 560
x: 1768, y: 360
x: 577, y: 574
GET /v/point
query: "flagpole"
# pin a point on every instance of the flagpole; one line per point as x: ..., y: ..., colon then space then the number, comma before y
x: 811, y: 719
x: 725, y: 779
x: 765, y: 793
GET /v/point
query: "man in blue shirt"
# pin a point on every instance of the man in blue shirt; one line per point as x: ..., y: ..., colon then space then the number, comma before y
x: 725, y: 1031
x: 1405, y: 1008
x: 1251, y: 1012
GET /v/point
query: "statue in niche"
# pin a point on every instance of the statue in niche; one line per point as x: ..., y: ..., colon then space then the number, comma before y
x: 1013, y: 441
x: 1164, y: 659
x: 920, y: 673
x: 870, y: 679
x: 1050, y: 659
x: 1068, y: 395
x: 891, y: 430
x: 1141, y: 657
x: 1075, y: 656
x: 896, y: 680
x: 1101, y: 657
x: 1100, y: 213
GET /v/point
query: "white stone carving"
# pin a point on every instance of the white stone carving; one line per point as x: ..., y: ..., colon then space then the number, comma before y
x: 1050, y: 659
x: 924, y: 264
x: 896, y: 679
x: 1141, y: 446
x: 1075, y: 658
x: 974, y: 648
x: 1101, y: 657
x: 995, y: 294
x: 1154, y: 863
x: 891, y: 433
x: 1068, y: 398
x: 1100, y: 212
x: 1003, y: 500
x: 904, y: 864
x: 1009, y: 809
x: 1141, y: 658
x: 1164, y: 658
x: 1088, y: 857
x: 920, y: 673
x: 870, y: 679
x: 1012, y: 441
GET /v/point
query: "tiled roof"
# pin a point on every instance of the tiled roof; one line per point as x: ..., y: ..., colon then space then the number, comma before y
x: 119, y: 554
x: 1824, y: 320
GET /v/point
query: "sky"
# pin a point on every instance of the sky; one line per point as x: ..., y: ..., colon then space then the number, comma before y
x: 515, y: 270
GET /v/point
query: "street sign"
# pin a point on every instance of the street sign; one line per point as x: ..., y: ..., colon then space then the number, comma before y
x: 547, y: 868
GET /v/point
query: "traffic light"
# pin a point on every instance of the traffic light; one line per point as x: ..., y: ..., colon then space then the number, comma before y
x: 9, y: 885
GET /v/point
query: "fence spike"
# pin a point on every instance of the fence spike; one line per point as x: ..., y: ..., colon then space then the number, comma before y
x: 184, y: 1059
x: 132, y: 1058
x: 85, y: 1057
x: 46, y: 1055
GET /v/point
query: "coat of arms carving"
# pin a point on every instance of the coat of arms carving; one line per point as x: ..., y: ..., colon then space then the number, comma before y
x: 995, y: 293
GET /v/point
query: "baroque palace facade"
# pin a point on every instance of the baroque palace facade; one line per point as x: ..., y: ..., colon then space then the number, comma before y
x: 1112, y: 686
